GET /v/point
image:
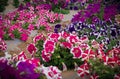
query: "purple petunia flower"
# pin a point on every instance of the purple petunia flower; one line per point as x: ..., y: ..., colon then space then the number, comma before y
x: 27, y: 70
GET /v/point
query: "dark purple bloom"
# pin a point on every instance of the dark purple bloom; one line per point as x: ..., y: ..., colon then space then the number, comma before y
x: 8, y: 72
x: 27, y: 70
x: 58, y: 26
x: 75, y: 8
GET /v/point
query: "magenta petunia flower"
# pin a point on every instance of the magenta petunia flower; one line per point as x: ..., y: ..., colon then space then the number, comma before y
x: 65, y: 34
x: 77, y: 52
x: 66, y: 45
x: 49, y: 49
x: 48, y: 43
x: 31, y: 48
x: 24, y: 36
x: 73, y: 38
x: 38, y: 37
x: 54, y: 36
x: 46, y: 56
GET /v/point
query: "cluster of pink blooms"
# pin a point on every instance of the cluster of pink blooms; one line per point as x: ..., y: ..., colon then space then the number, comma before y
x: 26, y: 20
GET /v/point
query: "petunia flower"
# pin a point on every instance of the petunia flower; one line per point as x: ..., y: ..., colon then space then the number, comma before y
x: 31, y: 49
x: 21, y: 56
x: 64, y: 34
x: 117, y: 76
x: 48, y: 43
x: 94, y: 76
x: 24, y: 36
x: 52, y: 72
x: 38, y: 37
x: 77, y: 52
x: 3, y: 45
x: 46, y: 56
x: 83, y: 70
x: 66, y: 45
x: 73, y: 38
x: 27, y: 70
x: 88, y: 54
x: 54, y: 36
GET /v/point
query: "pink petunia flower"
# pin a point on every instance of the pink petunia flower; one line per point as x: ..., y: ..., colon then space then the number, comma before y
x: 66, y: 45
x: 65, y: 34
x: 46, y: 56
x: 49, y: 49
x: 77, y: 52
x: 38, y: 37
x: 30, y: 27
x: 48, y: 43
x: 54, y: 36
x: 24, y: 37
x: 31, y: 48
x: 83, y: 70
x: 73, y: 38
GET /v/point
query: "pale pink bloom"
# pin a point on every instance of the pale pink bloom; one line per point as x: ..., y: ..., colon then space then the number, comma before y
x: 77, y: 52
x: 83, y: 70
x: 66, y: 45
x: 31, y: 48
x: 94, y: 76
x: 24, y: 36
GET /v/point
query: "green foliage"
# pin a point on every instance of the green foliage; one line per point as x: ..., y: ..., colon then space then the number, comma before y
x: 25, y: 26
x: 6, y: 37
x: 104, y: 71
x: 39, y: 45
x: 16, y: 33
x: 26, y: 1
x: 42, y: 28
x: 16, y: 3
x: 62, y: 11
